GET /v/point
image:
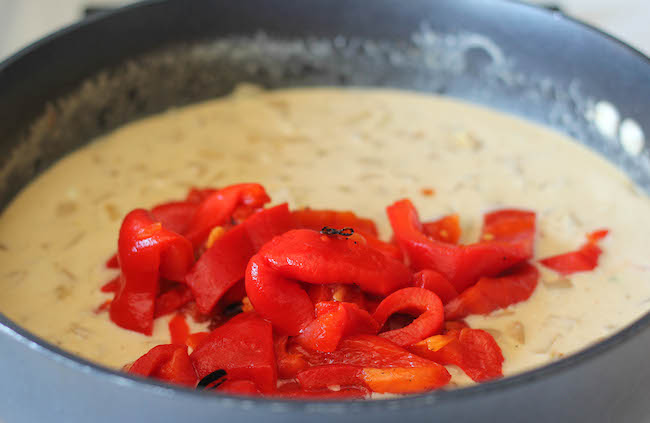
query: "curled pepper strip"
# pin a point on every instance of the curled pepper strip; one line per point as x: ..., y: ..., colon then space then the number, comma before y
x: 463, y: 265
x: 418, y: 301
x: 307, y: 256
x: 581, y: 260
x: 147, y: 252
x: 217, y: 208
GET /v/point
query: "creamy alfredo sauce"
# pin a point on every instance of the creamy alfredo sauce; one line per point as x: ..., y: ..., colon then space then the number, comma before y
x: 331, y: 148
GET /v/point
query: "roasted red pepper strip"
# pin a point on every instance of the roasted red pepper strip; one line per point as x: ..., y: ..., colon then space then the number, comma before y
x: 147, y: 252
x: 308, y: 256
x: 278, y: 299
x: 171, y: 300
x: 113, y: 263
x: 584, y: 259
x: 175, y: 216
x: 461, y: 265
x: 337, y: 292
x: 224, y: 263
x: 335, y: 320
x: 243, y: 347
x: 367, y: 351
x: 217, y: 208
x: 416, y: 301
x: 446, y: 229
x: 195, y: 339
x: 289, y: 364
x: 512, y: 226
x: 397, y: 380
x: 178, y: 329
x: 166, y: 362
x: 197, y: 195
x: 491, y: 294
x: 473, y: 350
x: 239, y: 387
x: 111, y: 286
x: 435, y: 282
x: 316, y: 219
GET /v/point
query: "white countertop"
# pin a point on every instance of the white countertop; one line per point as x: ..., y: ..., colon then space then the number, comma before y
x: 23, y: 21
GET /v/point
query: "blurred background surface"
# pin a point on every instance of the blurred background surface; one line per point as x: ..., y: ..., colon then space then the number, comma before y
x: 24, y: 21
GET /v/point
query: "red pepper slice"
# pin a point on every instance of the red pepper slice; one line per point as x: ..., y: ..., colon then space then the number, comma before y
x: 397, y: 380
x: 178, y: 329
x: 510, y: 226
x: 490, y: 294
x: 435, y: 282
x: 243, y: 347
x: 239, y: 387
x: 415, y: 301
x: 166, y: 362
x: 461, y: 265
x: 224, y: 263
x: 335, y: 320
x: 446, y: 229
x: 113, y: 263
x: 147, y: 252
x: 172, y: 300
x: 337, y: 292
x: 584, y: 259
x: 278, y: 299
x: 289, y: 364
x: 217, y: 208
x: 195, y: 339
x: 111, y: 286
x: 175, y: 216
x: 473, y: 350
x: 316, y: 219
x: 197, y: 195
x: 367, y: 351
x: 308, y: 256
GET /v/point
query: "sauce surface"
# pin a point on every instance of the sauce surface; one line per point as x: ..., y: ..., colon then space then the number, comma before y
x: 356, y: 150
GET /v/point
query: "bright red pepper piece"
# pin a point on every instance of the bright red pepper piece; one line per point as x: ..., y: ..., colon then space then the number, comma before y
x: 415, y: 301
x: 337, y: 292
x: 113, y: 262
x: 111, y: 286
x: 280, y: 300
x: 289, y: 364
x: 435, y: 282
x: 197, y: 195
x: 239, y: 387
x: 178, y: 329
x: 446, y: 229
x: 175, y: 216
x: 368, y: 351
x: 462, y: 265
x: 491, y: 294
x: 147, y: 252
x: 224, y: 263
x: 172, y: 300
x: 308, y: 256
x: 512, y: 226
x: 217, y: 208
x: 166, y: 362
x: 584, y: 259
x: 322, y: 377
x: 243, y: 347
x: 473, y: 350
x: 335, y: 320
x: 195, y: 339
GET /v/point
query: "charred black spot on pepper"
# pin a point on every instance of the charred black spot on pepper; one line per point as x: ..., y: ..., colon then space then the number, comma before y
x: 326, y: 230
x: 208, y: 382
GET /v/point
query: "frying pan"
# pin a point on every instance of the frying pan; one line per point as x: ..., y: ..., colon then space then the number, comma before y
x: 115, y: 67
